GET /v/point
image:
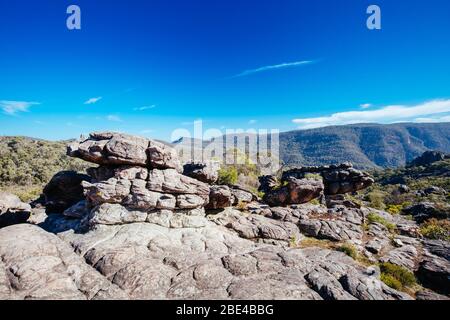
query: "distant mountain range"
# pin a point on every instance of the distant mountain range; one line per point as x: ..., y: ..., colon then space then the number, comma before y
x: 365, y: 145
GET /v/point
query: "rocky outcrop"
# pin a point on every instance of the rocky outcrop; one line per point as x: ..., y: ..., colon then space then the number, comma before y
x: 138, y: 180
x: 427, y: 210
x: 12, y: 210
x: 109, y: 148
x: 338, y: 179
x: 149, y: 261
x: 38, y: 265
x: 143, y: 230
x: 220, y: 197
x: 427, y: 158
x: 434, y: 273
x: 63, y: 191
x: 293, y: 191
x: 207, y: 172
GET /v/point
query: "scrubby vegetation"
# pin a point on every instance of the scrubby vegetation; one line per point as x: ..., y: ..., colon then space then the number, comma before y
x: 396, y: 277
x: 26, y: 164
x: 349, y: 250
x: 436, y: 229
x: 374, y: 218
x: 228, y: 175
x: 245, y: 173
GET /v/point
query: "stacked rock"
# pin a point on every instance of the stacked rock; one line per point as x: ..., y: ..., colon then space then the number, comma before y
x: 338, y: 179
x: 138, y: 180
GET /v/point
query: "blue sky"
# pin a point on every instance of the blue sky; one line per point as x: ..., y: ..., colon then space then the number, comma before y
x: 149, y: 67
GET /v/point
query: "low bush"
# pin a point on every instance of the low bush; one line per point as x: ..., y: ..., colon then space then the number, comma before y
x: 396, y: 277
x: 228, y: 175
x: 394, y: 209
x: 436, y: 229
x: 374, y: 218
x: 376, y: 199
x: 349, y: 250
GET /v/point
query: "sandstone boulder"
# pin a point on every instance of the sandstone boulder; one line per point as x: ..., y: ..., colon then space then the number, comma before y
x: 109, y: 148
x: 12, y: 210
x: 220, y: 197
x: 295, y: 191
x: 338, y: 179
x: 207, y: 172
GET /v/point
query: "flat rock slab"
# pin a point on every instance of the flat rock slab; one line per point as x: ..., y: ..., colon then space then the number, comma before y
x: 36, y: 264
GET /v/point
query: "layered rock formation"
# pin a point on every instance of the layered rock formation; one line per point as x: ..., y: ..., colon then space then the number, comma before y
x: 207, y: 172
x: 292, y: 191
x: 138, y: 180
x: 338, y: 179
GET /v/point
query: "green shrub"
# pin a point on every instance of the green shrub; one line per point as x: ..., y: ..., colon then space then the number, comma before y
x: 396, y: 277
x: 376, y: 199
x: 391, y: 281
x: 315, y: 202
x: 394, y: 209
x: 228, y: 175
x: 25, y: 193
x: 436, y: 229
x: 374, y: 218
x: 349, y: 250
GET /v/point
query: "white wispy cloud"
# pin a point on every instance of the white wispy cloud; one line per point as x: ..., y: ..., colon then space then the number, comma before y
x: 252, y: 121
x: 114, y: 118
x: 273, y: 67
x: 145, y: 108
x: 388, y: 114
x: 13, y: 107
x: 365, y: 105
x: 93, y: 100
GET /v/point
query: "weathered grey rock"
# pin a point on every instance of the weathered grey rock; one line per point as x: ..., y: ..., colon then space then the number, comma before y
x: 38, y: 265
x: 170, y: 181
x: 295, y: 191
x: 220, y: 197
x: 327, y: 286
x: 335, y: 230
x: 194, y: 218
x: 12, y: 210
x: 427, y: 210
x: 425, y: 295
x: 257, y: 227
x: 379, y: 238
x: 148, y: 261
x: 405, y: 256
x: 242, y: 196
x: 109, y: 148
x: 207, y: 172
x: 114, y: 214
x: 338, y: 179
x: 370, y: 288
x: 434, y: 273
x: 64, y: 190
x: 139, y: 189
x: 440, y: 248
